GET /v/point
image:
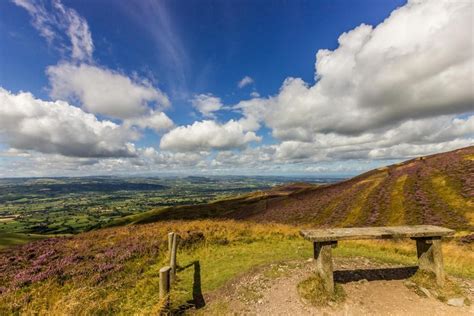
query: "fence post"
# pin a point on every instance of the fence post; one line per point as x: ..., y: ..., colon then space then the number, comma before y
x: 173, y: 258
x: 170, y: 244
x: 165, y: 286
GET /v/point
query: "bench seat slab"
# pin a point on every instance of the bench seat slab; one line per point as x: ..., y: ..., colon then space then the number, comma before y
x: 416, y: 231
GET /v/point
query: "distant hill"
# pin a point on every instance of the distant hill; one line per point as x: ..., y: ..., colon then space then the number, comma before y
x: 436, y: 189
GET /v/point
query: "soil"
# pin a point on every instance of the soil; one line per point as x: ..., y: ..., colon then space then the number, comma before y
x: 371, y: 289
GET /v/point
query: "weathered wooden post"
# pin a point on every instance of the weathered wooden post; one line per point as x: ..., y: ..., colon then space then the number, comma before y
x: 173, y: 258
x: 165, y: 284
x: 170, y: 244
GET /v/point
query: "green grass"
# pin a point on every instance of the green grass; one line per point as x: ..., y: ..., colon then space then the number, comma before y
x: 224, y: 251
x: 14, y: 239
x: 221, y: 263
x: 458, y: 260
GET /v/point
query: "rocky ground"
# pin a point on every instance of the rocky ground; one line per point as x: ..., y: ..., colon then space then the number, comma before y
x: 371, y: 288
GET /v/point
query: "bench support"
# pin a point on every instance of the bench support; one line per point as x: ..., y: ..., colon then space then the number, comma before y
x: 430, y: 257
x: 323, y: 256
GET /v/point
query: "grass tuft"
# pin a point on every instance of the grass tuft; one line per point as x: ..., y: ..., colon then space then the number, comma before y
x: 312, y: 291
x: 427, y: 280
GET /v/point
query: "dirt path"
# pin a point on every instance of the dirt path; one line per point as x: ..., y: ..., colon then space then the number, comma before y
x: 272, y: 290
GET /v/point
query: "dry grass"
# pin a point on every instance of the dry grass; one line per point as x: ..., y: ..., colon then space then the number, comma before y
x: 459, y: 203
x: 397, y: 209
x: 469, y: 157
x: 356, y: 211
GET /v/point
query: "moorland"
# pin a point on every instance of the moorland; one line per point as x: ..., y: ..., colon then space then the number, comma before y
x: 115, y: 269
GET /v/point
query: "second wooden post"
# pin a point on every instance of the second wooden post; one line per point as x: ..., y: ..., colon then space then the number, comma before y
x: 173, y: 256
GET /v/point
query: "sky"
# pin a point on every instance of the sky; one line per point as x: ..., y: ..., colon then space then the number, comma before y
x: 148, y: 87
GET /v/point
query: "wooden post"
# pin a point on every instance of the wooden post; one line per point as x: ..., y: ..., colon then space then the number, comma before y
x: 430, y: 257
x: 173, y: 258
x: 170, y: 244
x: 165, y: 286
x: 323, y: 256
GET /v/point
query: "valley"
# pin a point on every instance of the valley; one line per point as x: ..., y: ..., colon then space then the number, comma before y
x: 35, y: 207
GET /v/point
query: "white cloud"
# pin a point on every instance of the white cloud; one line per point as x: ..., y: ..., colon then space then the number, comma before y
x: 206, y: 104
x: 255, y: 94
x: 104, y: 91
x: 424, y: 136
x: 57, y: 127
x: 245, y: 81
x: 207, y: 135
x: 418, y: 63
x: 393, y: 91
x: 145, y: 161
x: 158, y: 121
x: 403, y: 151
x: 53, y: 21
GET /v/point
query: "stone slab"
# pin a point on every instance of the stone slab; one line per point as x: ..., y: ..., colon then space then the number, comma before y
x: 387, y: 232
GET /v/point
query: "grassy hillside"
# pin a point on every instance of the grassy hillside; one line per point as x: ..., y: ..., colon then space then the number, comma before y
x: 115, y: 270
x: 437, y: 189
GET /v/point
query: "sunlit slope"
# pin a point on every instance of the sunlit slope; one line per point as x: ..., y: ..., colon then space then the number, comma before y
x: 437, y: 189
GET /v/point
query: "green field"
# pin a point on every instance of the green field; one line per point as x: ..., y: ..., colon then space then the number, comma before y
x: 72, y: 205
x: 13, y: 239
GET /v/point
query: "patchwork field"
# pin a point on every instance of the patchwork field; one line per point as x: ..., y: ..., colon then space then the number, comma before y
x: 73, y: 205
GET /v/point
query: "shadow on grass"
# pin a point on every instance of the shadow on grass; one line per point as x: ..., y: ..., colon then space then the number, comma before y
x: 345, y: 276
x: 198, y: 299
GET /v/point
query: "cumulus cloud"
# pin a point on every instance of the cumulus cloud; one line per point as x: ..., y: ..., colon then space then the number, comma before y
x: 245, y: 81
x: 206, y: 104
x: 424, y: 136
x: 104, y: 91
x: 57, y: 127
x: 158, y: 121
x: 146, y: 160
x: 207, y: 135
x: 54, y: 21
x: 418, y: 63
x: 397, y: 90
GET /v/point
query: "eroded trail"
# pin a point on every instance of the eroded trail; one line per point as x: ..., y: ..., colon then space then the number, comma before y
x: 371, y: 288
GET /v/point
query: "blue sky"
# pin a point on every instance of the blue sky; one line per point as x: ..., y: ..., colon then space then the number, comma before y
x: 166, y: 75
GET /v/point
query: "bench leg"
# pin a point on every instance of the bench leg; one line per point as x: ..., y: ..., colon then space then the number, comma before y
x: 323, y: 256
x: 430, y: 257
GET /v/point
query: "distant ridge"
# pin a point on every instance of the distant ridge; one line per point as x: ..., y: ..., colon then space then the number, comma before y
x: 436, y: 189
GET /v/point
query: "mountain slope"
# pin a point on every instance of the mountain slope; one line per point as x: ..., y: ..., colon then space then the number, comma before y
x: 437, y: 189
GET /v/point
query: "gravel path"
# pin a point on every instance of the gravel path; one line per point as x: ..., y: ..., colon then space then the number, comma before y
x: 272, y: 290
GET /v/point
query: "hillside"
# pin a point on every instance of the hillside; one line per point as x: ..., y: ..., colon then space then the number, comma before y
x: 437, y: 189
x: 115, y: 270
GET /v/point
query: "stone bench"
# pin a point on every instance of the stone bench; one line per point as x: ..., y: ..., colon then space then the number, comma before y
x: 427, y: 237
